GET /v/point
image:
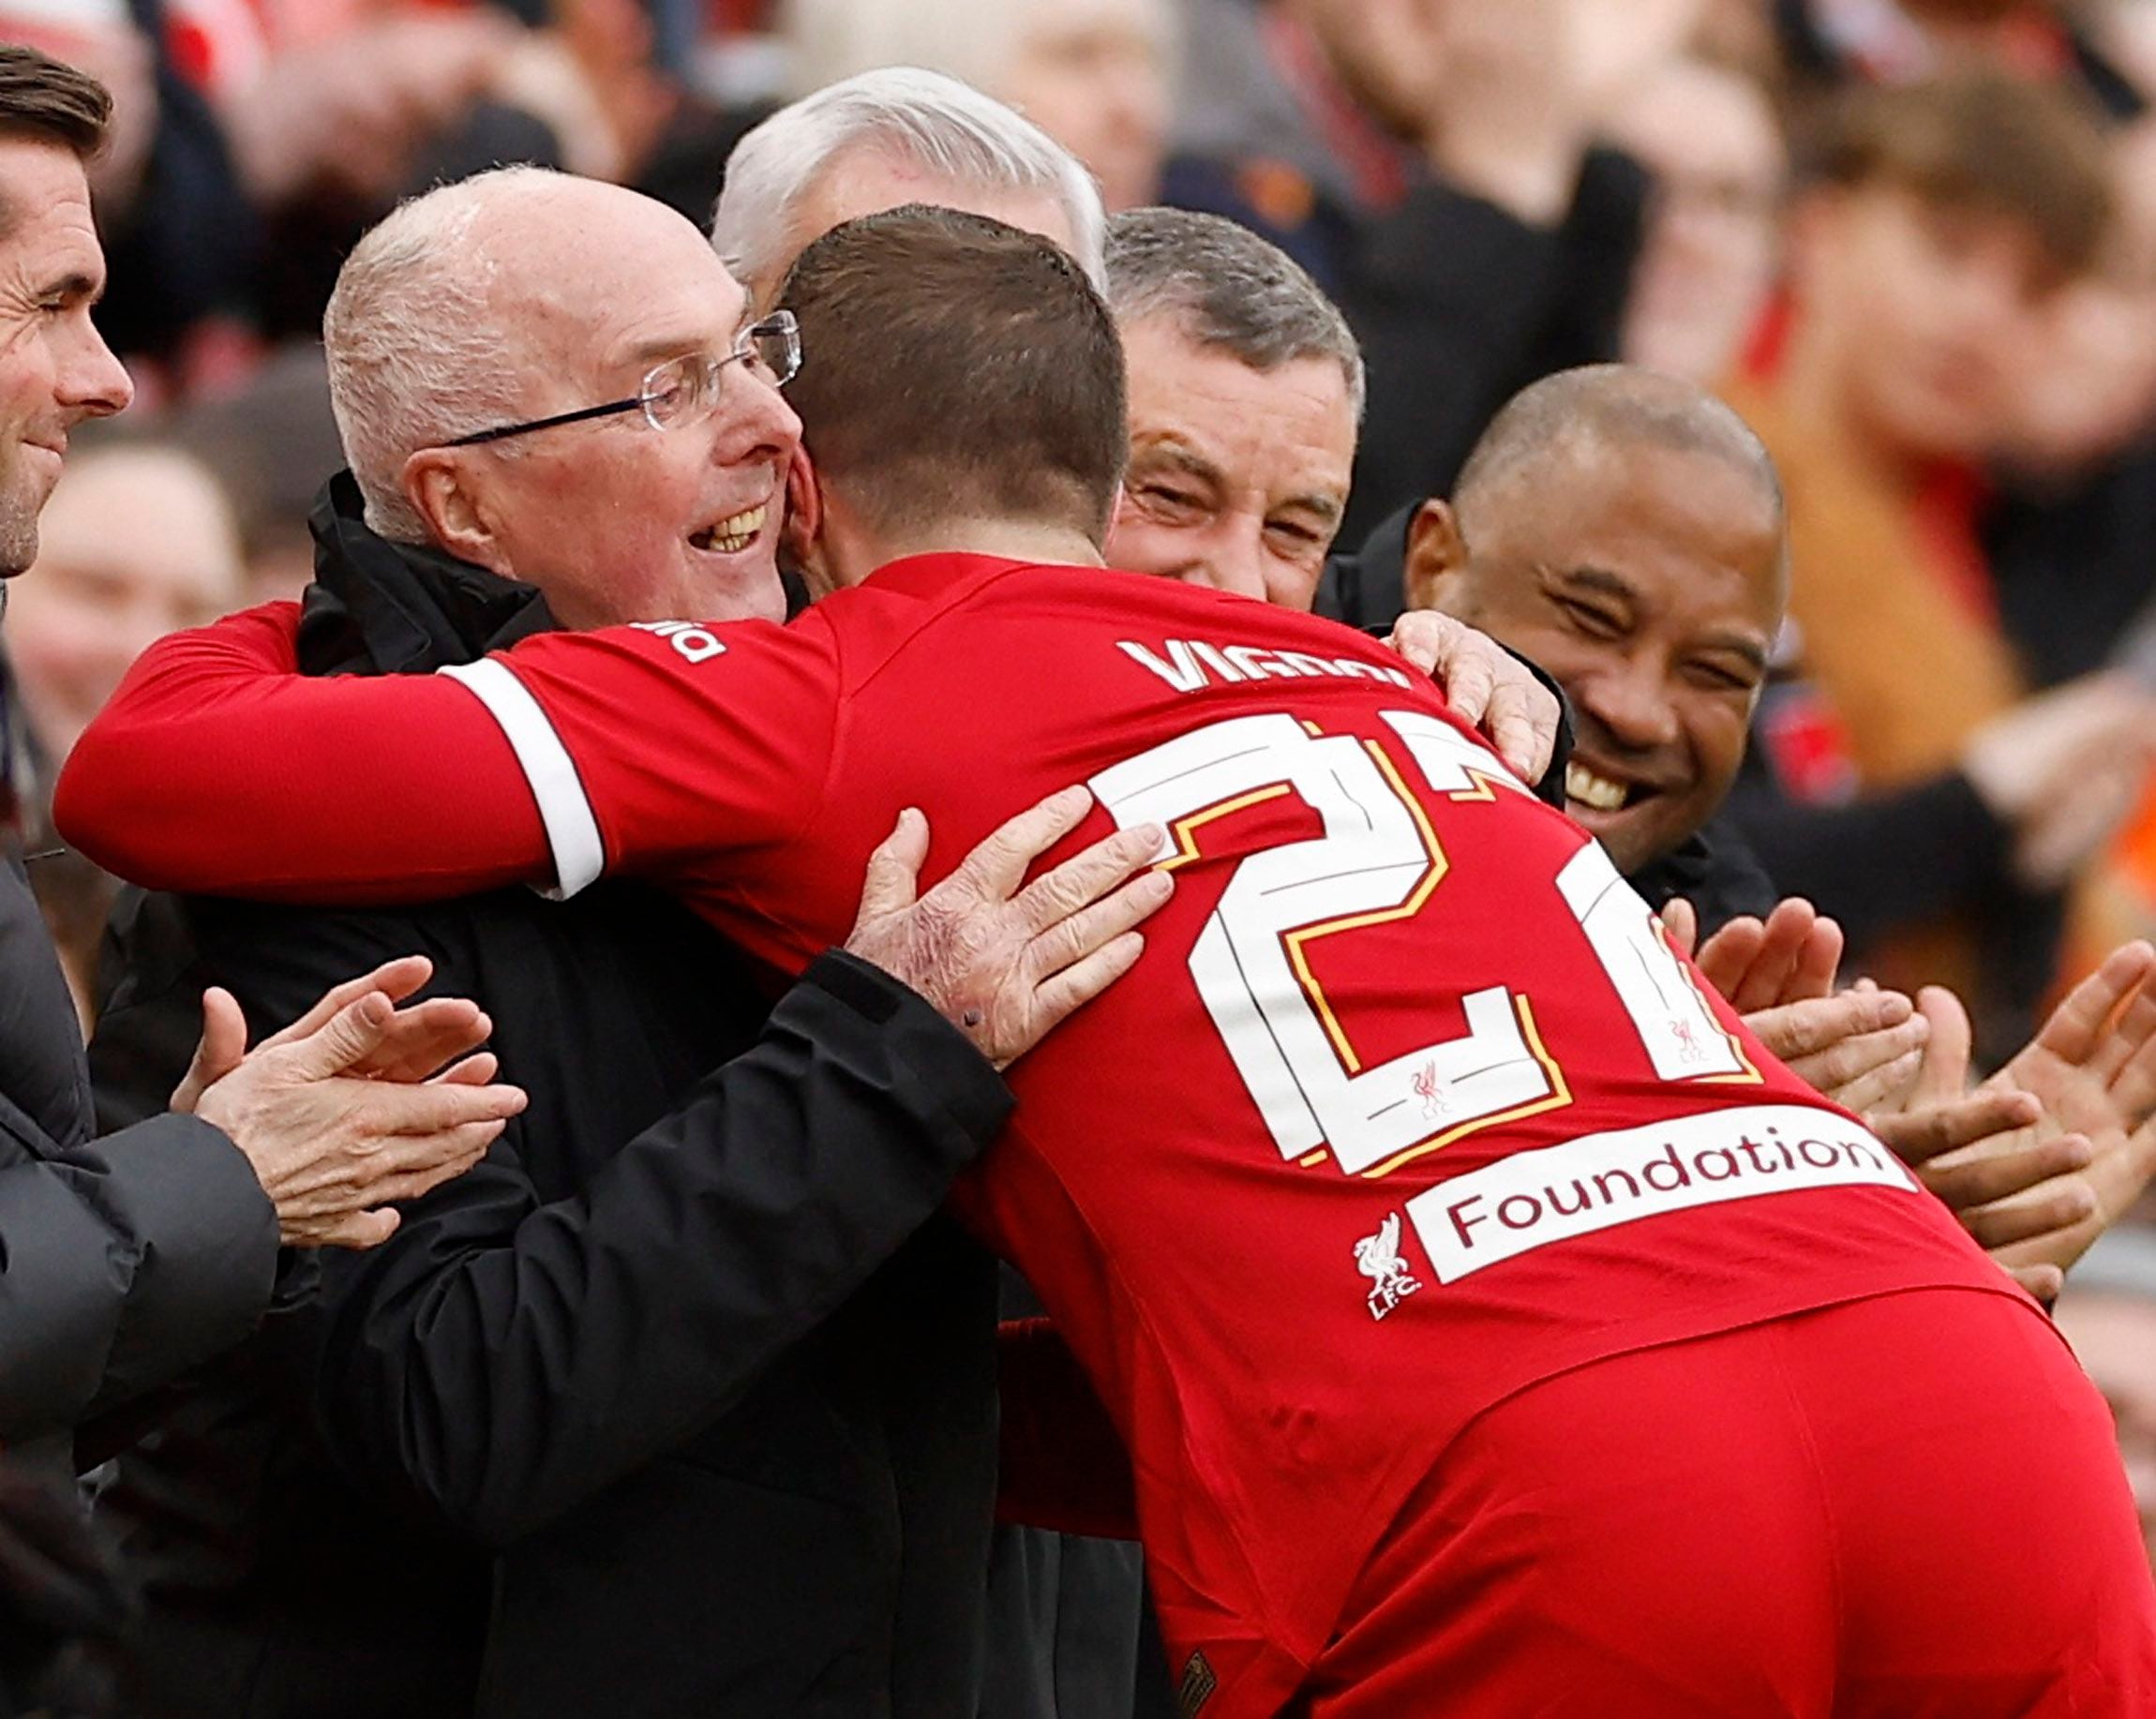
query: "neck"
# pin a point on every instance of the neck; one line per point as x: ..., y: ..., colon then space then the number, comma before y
x: 1008, y: 539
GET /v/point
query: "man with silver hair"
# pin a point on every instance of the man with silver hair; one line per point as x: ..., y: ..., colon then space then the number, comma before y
x: 895, y: 136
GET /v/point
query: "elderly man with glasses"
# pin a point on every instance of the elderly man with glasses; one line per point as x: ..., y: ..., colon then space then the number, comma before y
x: 676, y: 1347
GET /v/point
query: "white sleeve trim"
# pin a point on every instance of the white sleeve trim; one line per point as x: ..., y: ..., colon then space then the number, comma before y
x: 571, y: 829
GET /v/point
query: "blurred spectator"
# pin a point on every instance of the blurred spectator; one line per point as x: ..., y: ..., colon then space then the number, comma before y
x: 1905, y: 41
x: 1711, y: 141
x: 2108, y: 1313
x: 269, y: 443
x: 1900, y: 780
x: 137, y: 542
x: 1436, y: 170
x: 1093, y: 74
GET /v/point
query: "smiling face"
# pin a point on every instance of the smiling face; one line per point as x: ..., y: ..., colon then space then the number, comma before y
x: 614, y: 519
x: 55, y: 370
x: 1649, y: 581
x: 1238, y: 477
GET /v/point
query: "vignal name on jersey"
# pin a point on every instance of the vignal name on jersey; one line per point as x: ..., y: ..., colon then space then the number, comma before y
x: 1189, y: 664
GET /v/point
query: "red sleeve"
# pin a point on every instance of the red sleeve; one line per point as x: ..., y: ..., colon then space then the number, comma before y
x: 651, y: 747
x: 1063, y: 1464
x: 218, y: 769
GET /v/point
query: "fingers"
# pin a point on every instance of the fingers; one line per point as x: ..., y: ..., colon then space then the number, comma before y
x: 347, y: 1037
x: 1819, y: 960
x: 1796, y: 1031
x: 396, y: 980
x: 423, y: 1037
x: 1467, y: 675
x: 358, y: 1231
x: 475, y: 1070
x: 1724, y: 959
x: 1782, y: 939
x: 998, y: 865
x: 1679, y: 925
x: 2042, y: 1282
x: 1979, y: 1179
x: 1080, y: 934
x: 2074, y: 1028
x: 1419, y: 637
x: 1918, y: 1135
x: 440, y: 1107
x: 1880, y: 1087
x: 222, y: 1048
x: 1085, y: 877
x: 1076, y: 985
x: 2055, y: 1205
x: 1944, y: 1076
x: 1522, y: 724
x: 892, y: 881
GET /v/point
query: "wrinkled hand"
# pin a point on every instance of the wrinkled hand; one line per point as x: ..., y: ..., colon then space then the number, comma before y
x: 1790, y: 957
x: 1484, y: 685
x: 1002, y: 959
x: 2093, y: 1067
x: 337, y: 1112
x: 1860, y: 1048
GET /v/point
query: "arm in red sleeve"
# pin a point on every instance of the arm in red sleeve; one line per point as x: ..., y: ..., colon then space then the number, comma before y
x: 218, y: 769
x: 1063, y: 1465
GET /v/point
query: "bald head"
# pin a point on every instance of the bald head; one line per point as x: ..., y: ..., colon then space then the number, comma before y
x: 459, y: 310
x: 1624, y: 530
x: 539, y: 313
x: 1554, y: 426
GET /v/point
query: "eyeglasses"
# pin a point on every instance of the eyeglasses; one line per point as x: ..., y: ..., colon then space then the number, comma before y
x: 681, y: 389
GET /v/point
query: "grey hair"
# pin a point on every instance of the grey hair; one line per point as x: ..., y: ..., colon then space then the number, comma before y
x: 1229, y: 289
x: 414, y: 346
x: 933, y: 123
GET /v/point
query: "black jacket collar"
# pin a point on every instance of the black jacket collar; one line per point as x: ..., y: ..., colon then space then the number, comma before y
x: 1367, y: 586
x: 383, y: 607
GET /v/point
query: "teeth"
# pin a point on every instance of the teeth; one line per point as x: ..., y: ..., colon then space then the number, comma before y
x: 1584, y: 786
x: 733, y: 534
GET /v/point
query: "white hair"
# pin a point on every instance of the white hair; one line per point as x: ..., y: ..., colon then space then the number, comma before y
x: 933, y: 123
x: 413, y: 342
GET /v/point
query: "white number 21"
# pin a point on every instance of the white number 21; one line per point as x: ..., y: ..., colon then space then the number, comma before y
x: 1378, y: 860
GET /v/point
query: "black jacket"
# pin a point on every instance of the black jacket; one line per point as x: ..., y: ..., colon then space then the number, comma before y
x: 123, y: 1261
x: 732, y: 1432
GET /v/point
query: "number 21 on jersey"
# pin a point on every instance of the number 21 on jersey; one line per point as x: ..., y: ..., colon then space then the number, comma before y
x: 1378, y: 860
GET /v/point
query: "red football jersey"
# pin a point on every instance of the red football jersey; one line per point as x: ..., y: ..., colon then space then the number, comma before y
x: 1406, y: 1106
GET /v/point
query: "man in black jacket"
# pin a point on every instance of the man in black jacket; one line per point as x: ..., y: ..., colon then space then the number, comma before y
x: 671, y: 1349
x: 124, y: 1261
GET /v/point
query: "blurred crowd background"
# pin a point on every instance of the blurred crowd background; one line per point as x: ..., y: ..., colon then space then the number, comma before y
x: 1914, y: 241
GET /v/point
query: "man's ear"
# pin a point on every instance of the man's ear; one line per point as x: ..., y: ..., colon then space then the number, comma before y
x: 438, y: 484
x: 1436, y: 558
x: 800, y: 534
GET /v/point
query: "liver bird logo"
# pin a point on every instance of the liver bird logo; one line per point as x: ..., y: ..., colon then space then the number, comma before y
x: 1378, y: 1258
